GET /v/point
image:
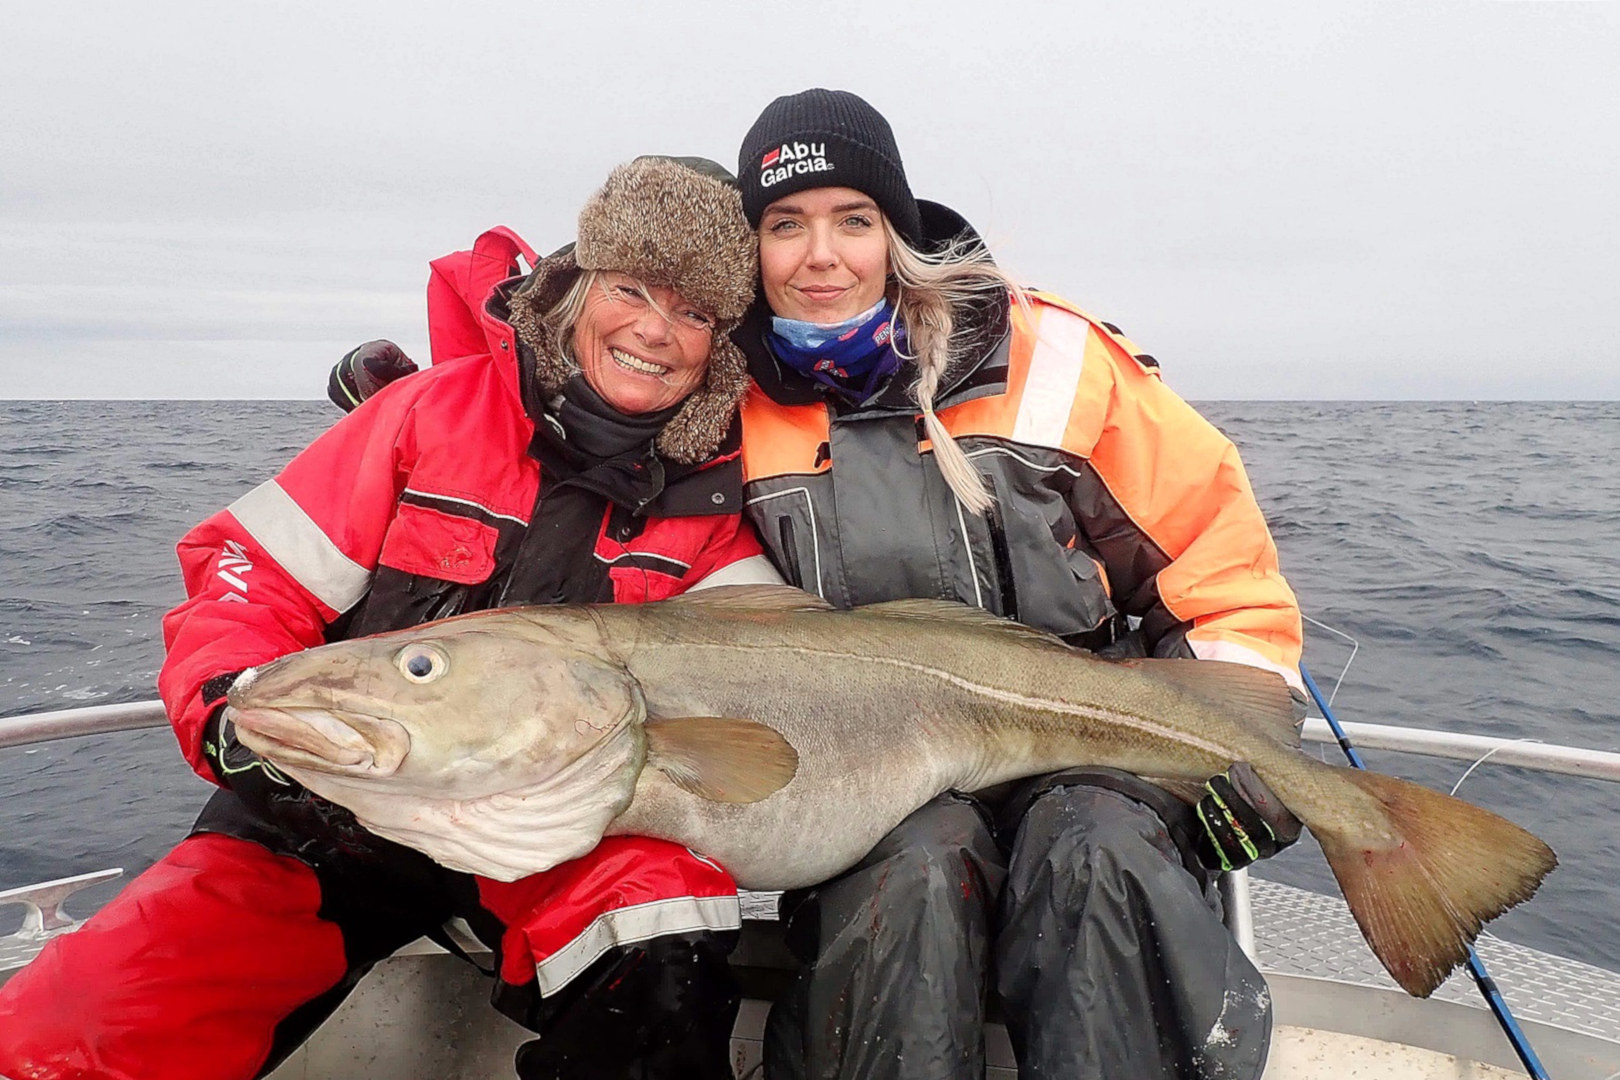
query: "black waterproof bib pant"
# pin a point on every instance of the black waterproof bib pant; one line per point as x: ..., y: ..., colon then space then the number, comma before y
x: 1101, y: 940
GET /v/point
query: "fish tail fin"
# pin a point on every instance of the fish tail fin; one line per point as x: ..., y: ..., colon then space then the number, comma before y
x: 1453, y: 867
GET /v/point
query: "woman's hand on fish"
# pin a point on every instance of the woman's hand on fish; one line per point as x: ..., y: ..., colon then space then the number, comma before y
x: 237, y: 767
x: 1242, y: 820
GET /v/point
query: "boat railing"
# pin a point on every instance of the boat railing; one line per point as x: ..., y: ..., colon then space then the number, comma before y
x: 41, y: 727
x: 28, y: 729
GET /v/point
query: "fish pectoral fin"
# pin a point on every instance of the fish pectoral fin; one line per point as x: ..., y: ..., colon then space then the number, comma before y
x: 721, y: 758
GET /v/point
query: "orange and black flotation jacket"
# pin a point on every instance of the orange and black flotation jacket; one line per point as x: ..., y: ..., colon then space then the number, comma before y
x: 1118, y: 508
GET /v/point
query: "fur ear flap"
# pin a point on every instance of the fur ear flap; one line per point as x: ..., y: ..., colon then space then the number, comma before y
x: 545, y: 286
x: 668, y: 223
x: 695, y: 432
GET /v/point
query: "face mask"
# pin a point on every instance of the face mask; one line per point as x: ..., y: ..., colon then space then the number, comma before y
x: 809, y: 335
x: 852, y: 357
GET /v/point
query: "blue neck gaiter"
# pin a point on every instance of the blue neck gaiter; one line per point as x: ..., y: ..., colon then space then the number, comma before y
x: 852, y: 357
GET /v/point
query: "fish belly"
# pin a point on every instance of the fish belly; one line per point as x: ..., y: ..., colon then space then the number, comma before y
x: 790, y: 840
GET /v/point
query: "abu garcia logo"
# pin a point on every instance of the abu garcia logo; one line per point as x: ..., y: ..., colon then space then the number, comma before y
x: 793, y: 159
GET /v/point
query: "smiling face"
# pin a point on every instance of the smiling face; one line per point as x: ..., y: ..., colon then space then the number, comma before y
x: 642, y: 347
x: 822, y: 255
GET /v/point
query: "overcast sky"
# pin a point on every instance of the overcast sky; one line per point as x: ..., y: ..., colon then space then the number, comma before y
x: 1372, y: 200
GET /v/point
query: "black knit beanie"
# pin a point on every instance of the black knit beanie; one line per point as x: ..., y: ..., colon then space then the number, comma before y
x: 825, y: 138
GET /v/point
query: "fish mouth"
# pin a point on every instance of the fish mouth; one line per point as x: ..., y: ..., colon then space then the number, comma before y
x: 321, y: 740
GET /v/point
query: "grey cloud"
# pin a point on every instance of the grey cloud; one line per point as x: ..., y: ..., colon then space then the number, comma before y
x: 1277, y: 200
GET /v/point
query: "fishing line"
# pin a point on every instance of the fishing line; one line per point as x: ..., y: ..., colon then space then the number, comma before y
x: 1355, y: 647
x: 1485, y: 757
x: 1476, y: 967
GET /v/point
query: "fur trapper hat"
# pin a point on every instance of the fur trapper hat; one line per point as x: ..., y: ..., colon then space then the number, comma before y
x: 676, y: 222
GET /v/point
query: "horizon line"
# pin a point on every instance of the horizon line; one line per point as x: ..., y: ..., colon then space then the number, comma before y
x: 1270, y: 400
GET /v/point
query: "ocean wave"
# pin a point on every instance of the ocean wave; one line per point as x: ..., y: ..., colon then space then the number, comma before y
x: 1471, y: 549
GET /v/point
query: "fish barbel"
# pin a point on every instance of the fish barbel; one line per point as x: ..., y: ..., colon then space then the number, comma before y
x: 783, y: 739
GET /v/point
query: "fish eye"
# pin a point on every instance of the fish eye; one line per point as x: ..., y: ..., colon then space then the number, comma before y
x: 421, y: 662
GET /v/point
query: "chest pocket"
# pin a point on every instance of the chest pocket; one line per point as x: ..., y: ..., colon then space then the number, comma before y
x: 431, y: 543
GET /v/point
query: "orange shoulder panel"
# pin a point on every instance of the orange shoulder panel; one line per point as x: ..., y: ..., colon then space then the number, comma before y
x: 1126, y: 345
x: 1060, y: 371
x: 782, y: 440
x: 1078, y: 386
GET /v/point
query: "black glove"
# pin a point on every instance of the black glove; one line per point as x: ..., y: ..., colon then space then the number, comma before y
x: 239, y: 768
x: 1242, y: 820
x: 364, y: 370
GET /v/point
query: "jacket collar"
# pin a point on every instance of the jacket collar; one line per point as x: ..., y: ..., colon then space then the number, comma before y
x: 643, y: 482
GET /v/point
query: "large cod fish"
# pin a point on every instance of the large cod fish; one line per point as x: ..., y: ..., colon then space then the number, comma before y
x: 784, y: 739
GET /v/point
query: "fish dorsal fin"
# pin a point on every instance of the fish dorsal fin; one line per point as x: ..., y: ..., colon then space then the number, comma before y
x: 962, y: 614
x: 1252, y: 693
x: 721, y: 758
x: 753, y: 598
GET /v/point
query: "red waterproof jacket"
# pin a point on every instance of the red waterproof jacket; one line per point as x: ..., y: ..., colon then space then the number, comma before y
x: 407, y: 510
x: 419, y: 492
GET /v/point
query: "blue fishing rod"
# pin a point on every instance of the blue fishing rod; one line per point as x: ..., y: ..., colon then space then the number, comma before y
x: 1476, y: 967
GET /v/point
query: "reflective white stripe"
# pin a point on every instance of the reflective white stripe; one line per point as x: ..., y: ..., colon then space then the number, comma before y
x: 464, y: 502
x: 754, y: 570
x: 1024, y: 461
x: 632, y: 557
x: 627, y: 925
x: 810, y: 508
x: 1233, y: 653
x: 291, y: 537
x: 973, y: 565
x: 1054, y: 379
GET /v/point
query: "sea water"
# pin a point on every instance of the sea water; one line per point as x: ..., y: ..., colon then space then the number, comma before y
x: 1471, y: 551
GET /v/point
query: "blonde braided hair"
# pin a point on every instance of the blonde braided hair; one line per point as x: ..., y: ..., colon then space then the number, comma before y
x: 927, y: 288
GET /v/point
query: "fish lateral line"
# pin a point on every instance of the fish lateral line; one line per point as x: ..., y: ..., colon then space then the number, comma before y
x: 1131, y: 721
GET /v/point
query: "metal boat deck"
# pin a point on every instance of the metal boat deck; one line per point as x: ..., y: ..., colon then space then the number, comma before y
x: 424, y: 1010
x: 1323, y: 975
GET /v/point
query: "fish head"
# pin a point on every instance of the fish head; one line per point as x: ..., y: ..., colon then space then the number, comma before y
x: 459, y: 708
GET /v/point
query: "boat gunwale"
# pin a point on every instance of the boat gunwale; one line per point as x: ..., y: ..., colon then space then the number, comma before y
x: 26, y: 729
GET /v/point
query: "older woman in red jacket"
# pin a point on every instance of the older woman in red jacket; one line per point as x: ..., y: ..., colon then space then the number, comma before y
x: 581, y: 446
